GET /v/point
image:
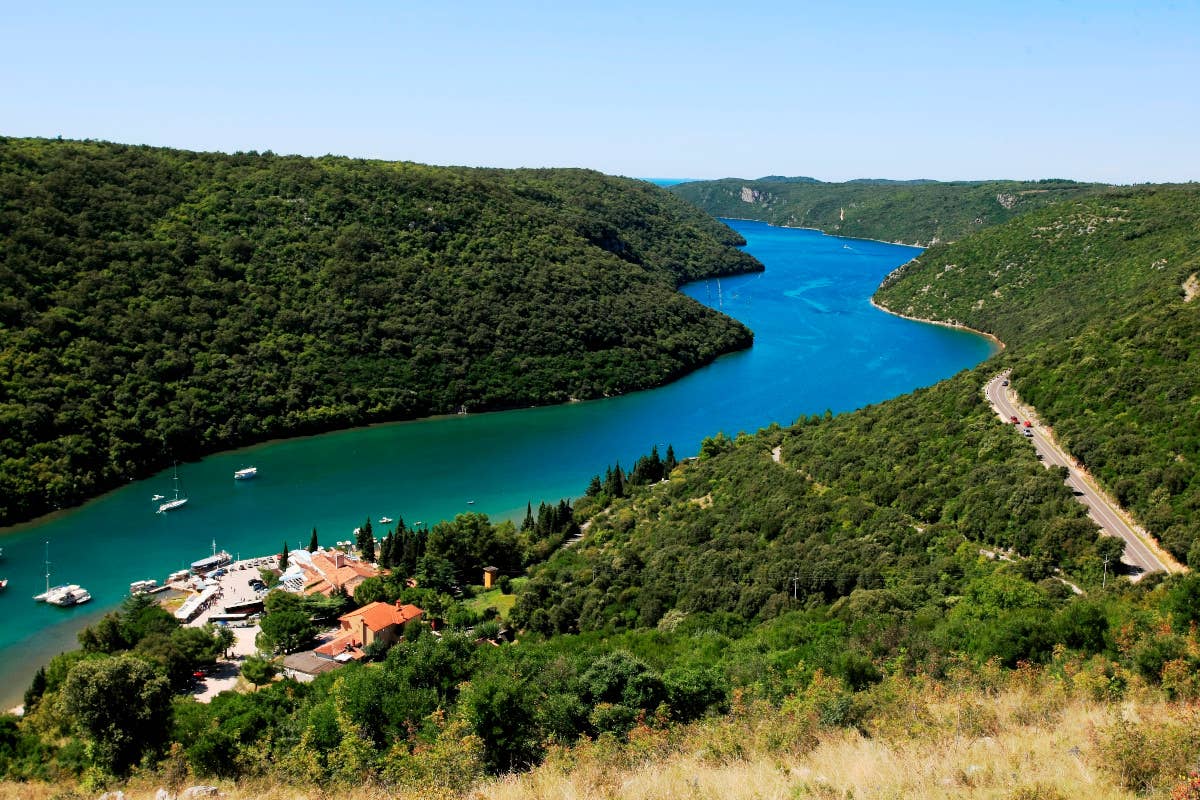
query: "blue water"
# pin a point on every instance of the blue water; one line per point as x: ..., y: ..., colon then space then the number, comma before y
x: 670, y: 181
x: 819, y: 345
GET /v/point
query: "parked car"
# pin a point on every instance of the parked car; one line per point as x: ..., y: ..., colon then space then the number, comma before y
x: 1014, y: 420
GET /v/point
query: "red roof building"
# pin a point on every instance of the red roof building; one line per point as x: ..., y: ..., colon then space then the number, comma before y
x: 327, y: 572
x: 374, y: 622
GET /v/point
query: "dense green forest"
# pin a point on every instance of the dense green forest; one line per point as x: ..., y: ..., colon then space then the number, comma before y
x: 912, y: 212
x: 1091, y: 297
x: 840, y: 574
x: 159, y: 304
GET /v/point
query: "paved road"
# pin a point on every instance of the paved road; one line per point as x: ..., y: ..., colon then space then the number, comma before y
x: 1137, y: 554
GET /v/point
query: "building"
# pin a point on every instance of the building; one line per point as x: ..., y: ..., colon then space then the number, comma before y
x: 325, y: 572
x: 489, y: 576
x: 374, y: 622
x: 305, y: 666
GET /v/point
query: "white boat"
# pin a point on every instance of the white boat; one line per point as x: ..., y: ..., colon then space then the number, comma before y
x: 75, y: 595
x: 41, y: 598
x: 59, y: 594
x: 245, y: 474
x: 178, y: 501
x: 141, y: 587
x: 157, y: 497
x: 3, y: 583
x: 386, y: 520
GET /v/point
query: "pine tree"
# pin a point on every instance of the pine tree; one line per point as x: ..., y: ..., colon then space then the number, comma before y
x: 528, y: 523
x: 594, y: 488
x: 283, y: 557
x: 618, y: 487
x: 670, y: 463
x: 313, y: 546
x: 36, y: 689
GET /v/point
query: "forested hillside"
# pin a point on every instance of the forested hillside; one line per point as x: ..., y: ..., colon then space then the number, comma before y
x: 912, y: 212
x: 882, y: 504
x: 160, y: 304
x: 1093, y: 298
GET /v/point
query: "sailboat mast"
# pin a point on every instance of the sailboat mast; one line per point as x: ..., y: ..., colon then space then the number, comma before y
x: 47, y: 566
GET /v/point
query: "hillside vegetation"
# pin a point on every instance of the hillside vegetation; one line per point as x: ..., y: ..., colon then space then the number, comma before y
x: 1091, y: 297
x: 160, y: 304
x: 912, y: 212
x: 899, y: 601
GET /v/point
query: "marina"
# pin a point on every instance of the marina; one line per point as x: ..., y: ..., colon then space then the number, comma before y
x: 428, y: 469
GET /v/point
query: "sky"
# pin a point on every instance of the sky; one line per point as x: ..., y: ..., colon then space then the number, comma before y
x: 1086, y: 90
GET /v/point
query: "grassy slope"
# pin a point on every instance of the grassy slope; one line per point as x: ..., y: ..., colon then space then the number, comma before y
x: 1089, y: 295
x: 918, y: 213
x: 159, y: 303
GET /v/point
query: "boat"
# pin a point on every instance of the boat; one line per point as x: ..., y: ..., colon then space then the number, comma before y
x: 470, y: 502
x: 213, y: 562
x: 142, y: 587
x: 3, y: 583
x: 74, y: 596
x: 41, y: 598
x: 245, y: 474
x: 178, y: 501
x: 157, y: 497
x: 386, y: 520
x: 59, y: 594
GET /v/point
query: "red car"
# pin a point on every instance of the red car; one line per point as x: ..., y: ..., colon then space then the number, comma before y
x: 1014, y: 420
x: 1028, y: 424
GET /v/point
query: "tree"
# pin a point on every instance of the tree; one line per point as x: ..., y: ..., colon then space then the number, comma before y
x: 225, y: 639
x: 313, y: 546
x: 37, y: 687
x: 670, y: 462
x: 120, y: 706
x: 286, y: 631
x: 283, y: 557
x: 258, y: 670
x: 365, y: 539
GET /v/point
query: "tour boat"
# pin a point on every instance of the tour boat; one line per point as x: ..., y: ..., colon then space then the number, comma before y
x: 245, y: 474
x: 178, y: 501
x: 142, y: 587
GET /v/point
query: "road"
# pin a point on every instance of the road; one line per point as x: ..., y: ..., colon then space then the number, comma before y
x: 1138, y: 555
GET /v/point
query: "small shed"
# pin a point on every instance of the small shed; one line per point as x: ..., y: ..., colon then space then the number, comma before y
x: 489, y: 576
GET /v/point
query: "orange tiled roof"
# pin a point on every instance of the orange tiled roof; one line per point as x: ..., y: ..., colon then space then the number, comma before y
x: 346, y: 642
x: 378, y: 616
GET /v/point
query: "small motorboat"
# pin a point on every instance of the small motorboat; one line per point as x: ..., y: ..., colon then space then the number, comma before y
x: 386, y: 520
x: 157, y: 497
x: 246, y: 474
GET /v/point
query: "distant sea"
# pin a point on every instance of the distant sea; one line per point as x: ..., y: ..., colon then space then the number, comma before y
x: 668, y: 181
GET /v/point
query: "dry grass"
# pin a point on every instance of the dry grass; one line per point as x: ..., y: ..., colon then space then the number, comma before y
x: 928, y: 742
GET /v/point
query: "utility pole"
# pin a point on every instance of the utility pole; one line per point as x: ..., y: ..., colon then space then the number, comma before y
x: 1104, y: 584
x: 795, y: 583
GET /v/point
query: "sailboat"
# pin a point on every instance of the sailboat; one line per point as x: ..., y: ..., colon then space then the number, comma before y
x: 50, y: 592
x: 178, y: 501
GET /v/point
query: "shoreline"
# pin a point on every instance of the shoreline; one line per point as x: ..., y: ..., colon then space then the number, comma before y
x: 827, y: 233
x: 956, y: 325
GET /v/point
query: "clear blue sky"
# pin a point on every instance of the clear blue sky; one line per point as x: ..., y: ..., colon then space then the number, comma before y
x: 836, y: 90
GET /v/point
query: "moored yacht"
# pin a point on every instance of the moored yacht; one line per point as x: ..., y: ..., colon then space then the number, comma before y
x: 73, y: 596
x: 178, y: 501
x: 245, y: 474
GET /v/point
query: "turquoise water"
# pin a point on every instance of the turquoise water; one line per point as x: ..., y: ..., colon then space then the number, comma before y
x: 819, y: 345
